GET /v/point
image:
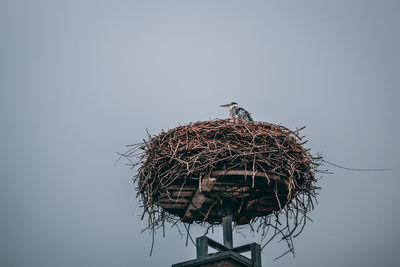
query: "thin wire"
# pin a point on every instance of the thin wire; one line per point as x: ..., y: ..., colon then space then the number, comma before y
x: 354, y: 169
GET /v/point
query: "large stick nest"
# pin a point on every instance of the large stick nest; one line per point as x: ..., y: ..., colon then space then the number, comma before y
x: 201, y: 171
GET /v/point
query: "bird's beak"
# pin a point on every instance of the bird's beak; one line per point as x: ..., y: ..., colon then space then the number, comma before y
x: 225, y: 106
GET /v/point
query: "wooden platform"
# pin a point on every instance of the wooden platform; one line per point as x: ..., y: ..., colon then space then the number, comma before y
x: 246, y: 194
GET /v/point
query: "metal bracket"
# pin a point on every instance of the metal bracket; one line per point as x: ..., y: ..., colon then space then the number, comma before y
x: 203, y: 242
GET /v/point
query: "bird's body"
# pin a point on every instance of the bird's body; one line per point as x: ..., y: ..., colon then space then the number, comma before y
x: 237, y: 112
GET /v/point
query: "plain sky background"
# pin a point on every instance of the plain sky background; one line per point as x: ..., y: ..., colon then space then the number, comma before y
x: 79, y: 80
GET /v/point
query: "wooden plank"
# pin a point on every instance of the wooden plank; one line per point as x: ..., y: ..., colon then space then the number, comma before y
x: 237, y: 194
x: 178, y: 194
x: 183, y: 188
x: 250, y: 174
x: 180, y: 201
x: 232, y: 188
x: 199, y: 198
x: 173, y: 206
x: 227, y: 183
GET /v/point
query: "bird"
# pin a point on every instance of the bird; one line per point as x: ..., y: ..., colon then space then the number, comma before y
x: 237, y: 112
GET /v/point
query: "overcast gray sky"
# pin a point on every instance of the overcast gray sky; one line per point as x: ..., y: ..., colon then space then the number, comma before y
x: 81, y: 79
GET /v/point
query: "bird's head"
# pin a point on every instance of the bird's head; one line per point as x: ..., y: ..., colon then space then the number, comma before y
x: 230, y: 105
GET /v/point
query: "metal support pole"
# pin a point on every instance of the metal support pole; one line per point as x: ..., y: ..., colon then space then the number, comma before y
x: 201, y: 247
x: 255, y: 254
x: 227, y: 231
